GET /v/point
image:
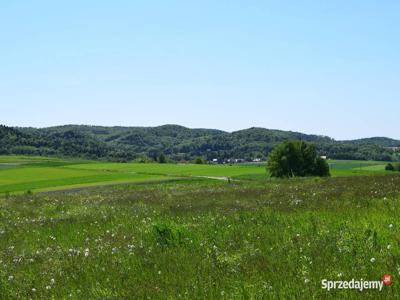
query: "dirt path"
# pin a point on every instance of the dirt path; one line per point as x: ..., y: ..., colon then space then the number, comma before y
x: 211, y: 177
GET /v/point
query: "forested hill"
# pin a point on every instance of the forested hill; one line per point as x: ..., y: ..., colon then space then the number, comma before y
x: 178, y: 143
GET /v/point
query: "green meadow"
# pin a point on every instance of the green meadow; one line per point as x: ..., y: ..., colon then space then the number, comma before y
x: 79, y: 229
x: 199, y: 238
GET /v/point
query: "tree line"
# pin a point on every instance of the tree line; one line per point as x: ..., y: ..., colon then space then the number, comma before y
x: 177, y: 143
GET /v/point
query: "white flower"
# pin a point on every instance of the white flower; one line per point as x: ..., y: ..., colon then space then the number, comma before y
x: 86, y: 252
x: 33, y: 290
x: 390, y: 225
x: 52, y: 281
x: 48, y: 287
x: 10, y: 277
x: 373, y: 259
x: 389, y: 246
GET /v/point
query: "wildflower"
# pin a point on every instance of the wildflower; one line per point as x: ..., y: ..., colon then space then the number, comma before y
x: 52, y: 281
x: 10, y: 277
x: 390, y: 225
x: 86, y: 252
x: 373, y: 259
x: 48, y: 287
x: 306, y: 280
x: 33, y: 290
x: 389, y: 246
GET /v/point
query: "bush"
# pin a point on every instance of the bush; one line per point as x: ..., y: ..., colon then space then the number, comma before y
x: 296, y: 158
x: 169, y: 234
x: 321, y: 167
x: 199, y: 161
x: 389, y: 167
x: 393, y: 167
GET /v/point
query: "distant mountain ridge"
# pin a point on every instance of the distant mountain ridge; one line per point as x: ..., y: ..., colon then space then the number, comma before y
x: 179, y: 143
x: 379, y: 141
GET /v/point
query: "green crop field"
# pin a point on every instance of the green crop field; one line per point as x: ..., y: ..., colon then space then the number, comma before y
x: 19, y: 174
x: 356, y: 167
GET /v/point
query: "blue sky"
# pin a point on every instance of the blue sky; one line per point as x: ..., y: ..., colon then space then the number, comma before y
x: 324, y: 67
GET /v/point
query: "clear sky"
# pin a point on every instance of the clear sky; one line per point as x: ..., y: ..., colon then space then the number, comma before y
x: 324, y: 67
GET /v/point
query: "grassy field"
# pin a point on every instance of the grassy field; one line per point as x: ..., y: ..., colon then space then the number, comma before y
x: 19, y: 174
x: 203, y: 239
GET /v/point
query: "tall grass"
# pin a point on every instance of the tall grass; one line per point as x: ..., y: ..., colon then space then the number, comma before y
x: 203, y: 240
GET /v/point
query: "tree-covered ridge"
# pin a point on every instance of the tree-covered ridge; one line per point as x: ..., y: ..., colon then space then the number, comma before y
x: 178, y: 143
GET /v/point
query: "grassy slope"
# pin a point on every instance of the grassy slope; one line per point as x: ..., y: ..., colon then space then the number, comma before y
x: 203, y: 239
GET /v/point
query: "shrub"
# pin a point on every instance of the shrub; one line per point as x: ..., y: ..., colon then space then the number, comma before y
x: 199, y: 161
x: 321, y: 167
x: 169, y: 234
x: 389, y: 167
x: 296, y: 158
x: 393, y: 167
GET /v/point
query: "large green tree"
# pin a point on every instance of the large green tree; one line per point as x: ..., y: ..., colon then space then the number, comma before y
x: 296, y: 158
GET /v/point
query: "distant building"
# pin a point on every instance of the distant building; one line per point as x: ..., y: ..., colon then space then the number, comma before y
x: 215, y: 160
x: 323, y: 157
x: 257, y: 160
x: 395, y: 149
